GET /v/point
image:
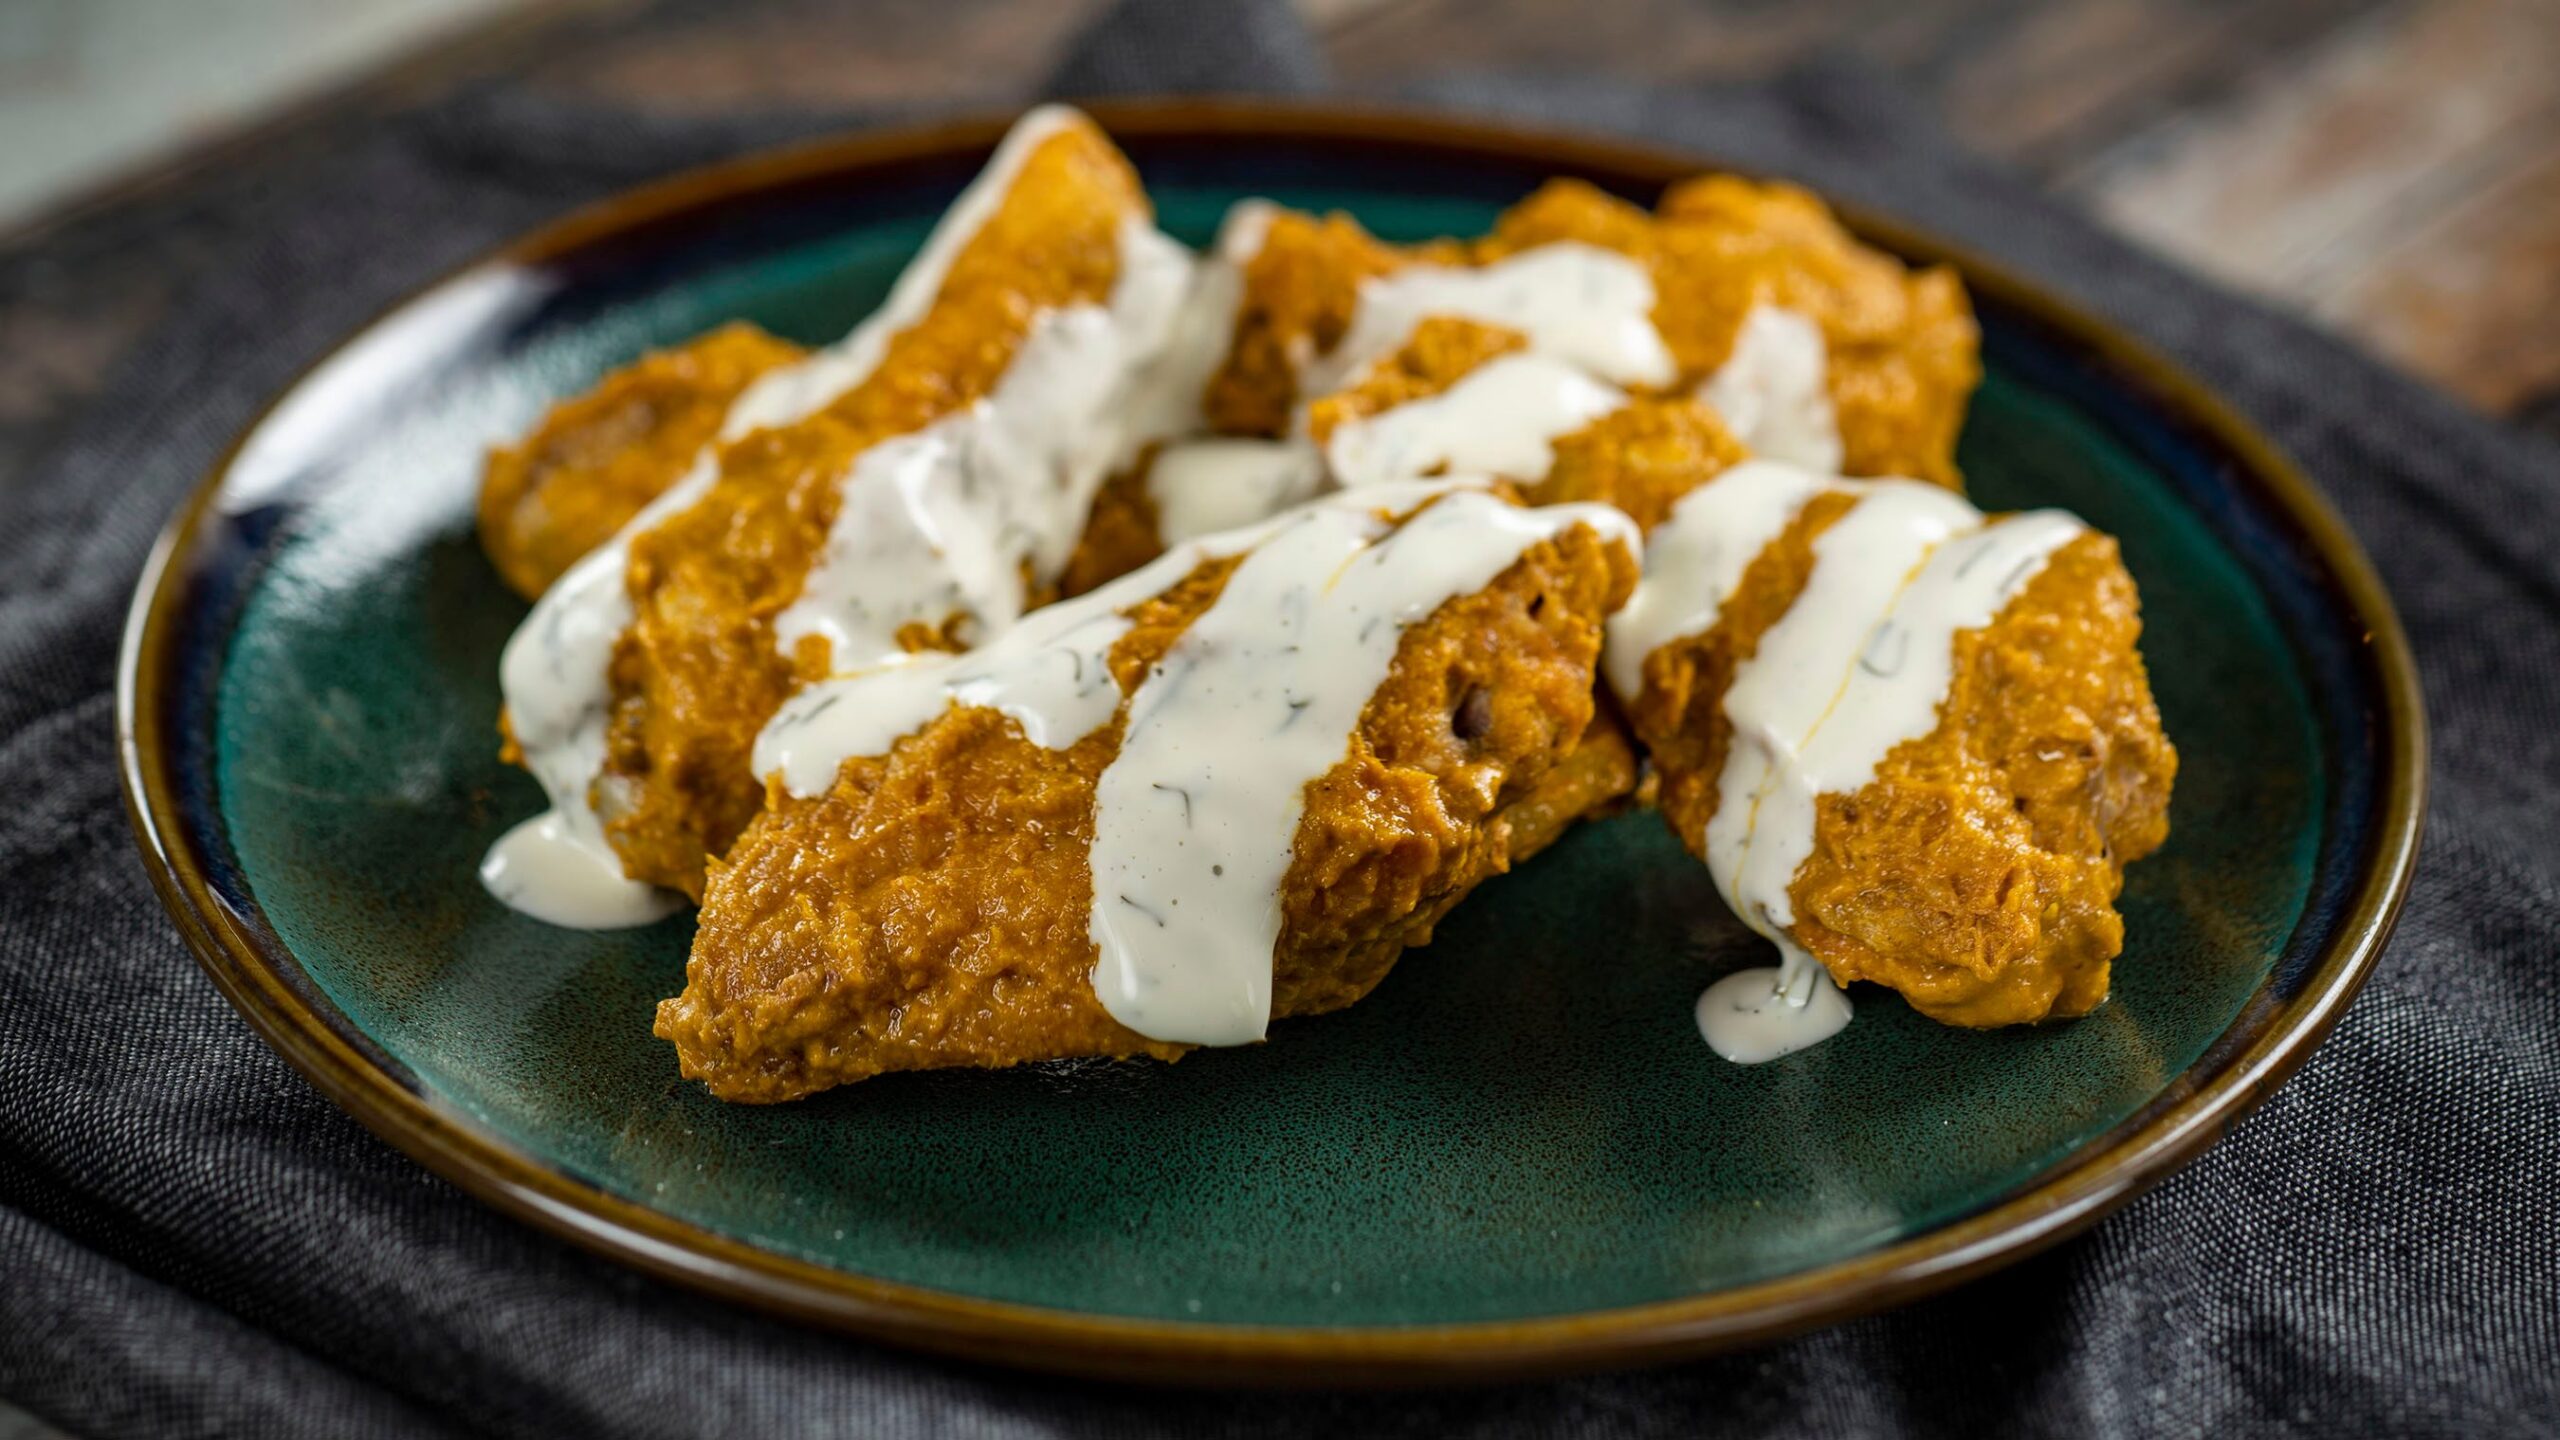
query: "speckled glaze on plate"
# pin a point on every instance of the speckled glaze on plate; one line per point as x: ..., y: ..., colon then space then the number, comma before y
x: 1516, y: 1156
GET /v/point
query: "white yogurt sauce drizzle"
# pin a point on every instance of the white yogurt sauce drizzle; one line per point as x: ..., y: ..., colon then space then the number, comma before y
x: 1587, y: 312
x: 1577, y: 302
x: 1203, y: 486
x: 794, y: 392
x: 1196, y: 818
x: 1049, y: 671
x: 1582, y: 308
x: 1501, y: 418
x: 1754, y: 1016
x: 940, y: 524
x: 1774, y: 390
x: 1200, y: 486
x: 1696, y: 557
x: 558, y: 866
x: 1169, y: 398
x: 1860, y: 663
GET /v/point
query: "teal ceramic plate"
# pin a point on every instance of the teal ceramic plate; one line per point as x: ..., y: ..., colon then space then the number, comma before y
x: 1515, y: 1156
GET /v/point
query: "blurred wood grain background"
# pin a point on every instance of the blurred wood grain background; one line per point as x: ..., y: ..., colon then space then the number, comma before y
x: 2390, y: 168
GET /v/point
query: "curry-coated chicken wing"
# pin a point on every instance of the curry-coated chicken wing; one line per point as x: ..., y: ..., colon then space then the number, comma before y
x: 1915, y: 743
x: 1230, y: 787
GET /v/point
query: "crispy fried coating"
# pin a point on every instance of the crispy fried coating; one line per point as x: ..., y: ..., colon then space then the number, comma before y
x: 1978, y: 872
x: 1640, y: 458
x: 1121, y: 532
x: 1300, y: 291
x: 1902, y: 344
x: 932, y: 909
x: 597, y: 458
x: 1597, y: 779
x: 698, y: 672
x: 1440, y: 352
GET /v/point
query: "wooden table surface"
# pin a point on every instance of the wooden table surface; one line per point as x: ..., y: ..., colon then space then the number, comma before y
x: 2390, y: 168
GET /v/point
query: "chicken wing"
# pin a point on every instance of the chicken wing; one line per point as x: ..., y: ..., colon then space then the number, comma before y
x: 1915, y: 744
x: 1058, y: 857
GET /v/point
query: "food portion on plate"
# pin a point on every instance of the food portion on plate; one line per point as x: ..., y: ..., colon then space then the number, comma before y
x: 1914, y: 743
x: 1749, y: 296
x: 1105, y: 650
x: 598, y: 458
x: 1816, y: 349
x: 913, y: 485
x: 1958, y: 699
x: 1230, y: 786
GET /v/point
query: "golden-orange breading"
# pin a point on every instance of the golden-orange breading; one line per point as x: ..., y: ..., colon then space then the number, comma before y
x: 597, y: 458
x: 698, y: 672
x: 932, y: 909
x: 1121, y: 532
x: 1301, y: 288
x: 1441, y: 351
x: 1977, y: 873
x: 1902, y: 344
x: 1597, y: 779
x: 1641, y: 457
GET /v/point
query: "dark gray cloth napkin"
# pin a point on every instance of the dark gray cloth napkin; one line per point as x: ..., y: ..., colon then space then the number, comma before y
x: 192, y: 1241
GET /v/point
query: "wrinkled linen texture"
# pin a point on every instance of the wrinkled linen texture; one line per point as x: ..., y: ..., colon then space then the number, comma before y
x: 193, y: 1241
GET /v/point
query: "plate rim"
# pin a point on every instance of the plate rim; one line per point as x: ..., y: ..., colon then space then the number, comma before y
x: 2107, y: 1171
